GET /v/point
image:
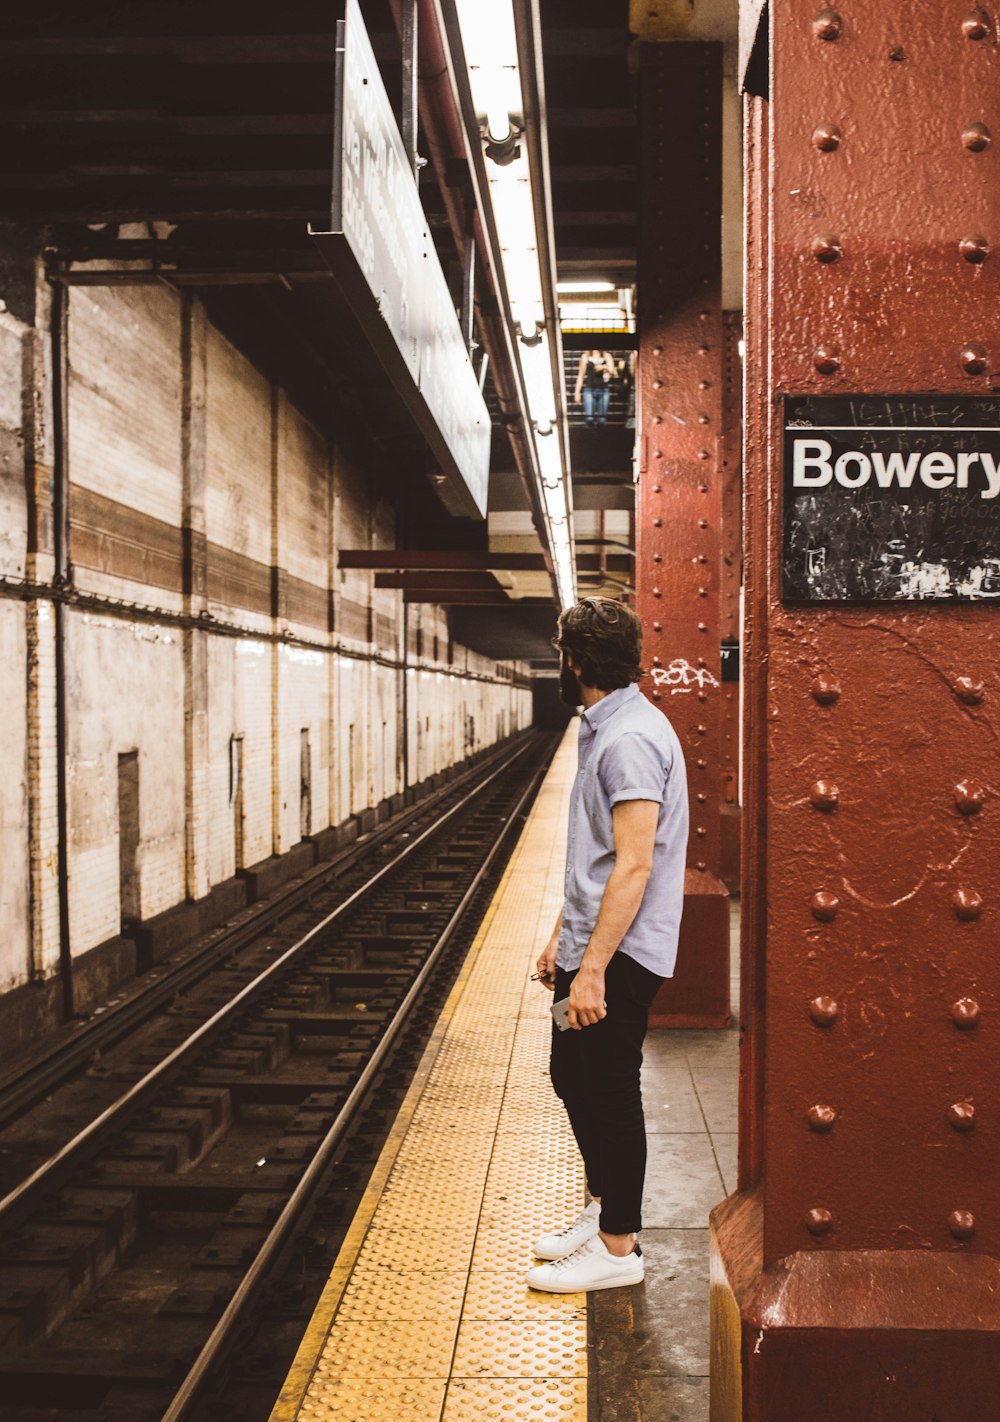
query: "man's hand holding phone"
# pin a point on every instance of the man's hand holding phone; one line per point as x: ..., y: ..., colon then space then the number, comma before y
x: 586, y: 998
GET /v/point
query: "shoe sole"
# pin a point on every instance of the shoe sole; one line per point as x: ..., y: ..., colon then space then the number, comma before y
x: 588, y: 1288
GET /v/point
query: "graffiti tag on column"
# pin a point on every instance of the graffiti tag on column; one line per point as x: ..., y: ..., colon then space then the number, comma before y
x: 681, y: 676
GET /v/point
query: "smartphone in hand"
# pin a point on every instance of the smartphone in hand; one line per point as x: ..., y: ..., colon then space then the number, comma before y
x: 560, y: 1013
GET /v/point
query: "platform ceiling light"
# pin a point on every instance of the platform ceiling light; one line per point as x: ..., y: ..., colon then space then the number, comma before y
x: 489, y: 41
x: 586, y: 286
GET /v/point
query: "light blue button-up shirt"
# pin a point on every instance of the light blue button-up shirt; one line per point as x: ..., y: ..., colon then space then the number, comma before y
x: 628, y: 751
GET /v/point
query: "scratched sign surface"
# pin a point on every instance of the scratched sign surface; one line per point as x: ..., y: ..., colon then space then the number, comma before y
x: 890, y: 498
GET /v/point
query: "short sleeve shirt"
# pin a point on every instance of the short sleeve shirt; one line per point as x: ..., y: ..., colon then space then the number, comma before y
x: 628, y: 750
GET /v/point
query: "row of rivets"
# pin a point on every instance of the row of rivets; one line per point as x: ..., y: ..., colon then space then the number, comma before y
x: 827, y: 248
x: 967, y: 904
x: 965, y: 1013
x: 961, y: 1116
x: 975, y: 138
x: 827, y: 690
x: 973, y: 358
x: 969, y: 796
x: 829, y: 26
x: 961, y: 1223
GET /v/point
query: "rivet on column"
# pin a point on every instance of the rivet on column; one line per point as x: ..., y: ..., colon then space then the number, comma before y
x: 824, y: 906
x: 821, y: 1119
x: 965, y: 1013
x: 969, y: 797
x: 827, y: 137
x: 826, y: 689
x: 818, y: 1222
x: 975, y: 249
x: 824, y: 795
x: 962, y: 1224
x: 962, y: 1116
x: 701, y: 831
x: 703, y: 523
x: 657, y: 522
x: 973, y: 359
x: 657, y: 627
x: 826, y: 359
x: 976, y: 137
x: 824, y: 1011
x: 967, y: 904
x: 976, y: 25
x: 828, y: 25
x: 969, y: 690
x: 826, y: 248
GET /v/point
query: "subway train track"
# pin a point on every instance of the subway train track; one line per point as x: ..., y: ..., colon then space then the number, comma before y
x: 178, y: 1205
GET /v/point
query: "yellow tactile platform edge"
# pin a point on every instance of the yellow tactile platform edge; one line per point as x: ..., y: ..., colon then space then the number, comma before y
x: 426, y: 1317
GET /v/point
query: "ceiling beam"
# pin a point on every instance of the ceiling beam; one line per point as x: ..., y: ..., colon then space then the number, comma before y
x: 471, y: 581
x: 414, y: 559
x: 455, y: 598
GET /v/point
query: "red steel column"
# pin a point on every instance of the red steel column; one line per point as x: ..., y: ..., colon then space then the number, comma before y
x: 678, y: 500
x: 856, y: 1274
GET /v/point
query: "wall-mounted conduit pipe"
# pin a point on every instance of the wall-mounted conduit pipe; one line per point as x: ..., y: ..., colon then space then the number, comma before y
x: 62, y: 578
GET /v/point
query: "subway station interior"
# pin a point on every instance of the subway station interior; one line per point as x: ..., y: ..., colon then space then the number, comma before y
x: 343, y: 348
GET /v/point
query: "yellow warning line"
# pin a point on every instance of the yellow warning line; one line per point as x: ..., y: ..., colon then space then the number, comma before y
x: 426, y: 1394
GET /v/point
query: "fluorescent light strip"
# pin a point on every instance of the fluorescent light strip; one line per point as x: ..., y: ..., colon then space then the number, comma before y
x: 489, y: 39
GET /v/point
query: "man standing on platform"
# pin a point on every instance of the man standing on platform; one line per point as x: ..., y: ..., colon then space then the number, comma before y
x: 616, y: 938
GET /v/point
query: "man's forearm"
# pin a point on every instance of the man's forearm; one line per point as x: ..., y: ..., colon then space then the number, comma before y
x: 622, y: 896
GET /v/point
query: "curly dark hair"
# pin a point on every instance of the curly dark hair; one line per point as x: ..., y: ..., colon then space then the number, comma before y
x: 604, y: 639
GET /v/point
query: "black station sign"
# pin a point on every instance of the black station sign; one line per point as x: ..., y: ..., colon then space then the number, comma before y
x: 891, y: 497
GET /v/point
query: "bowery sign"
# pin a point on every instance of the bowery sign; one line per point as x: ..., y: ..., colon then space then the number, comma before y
x: 891, y: 498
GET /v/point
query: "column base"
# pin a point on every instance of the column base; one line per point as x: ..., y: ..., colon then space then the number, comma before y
x: 848, y: 1335
x: 698, y: 993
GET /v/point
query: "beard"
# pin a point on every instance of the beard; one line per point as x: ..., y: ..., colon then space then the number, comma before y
x: 569, y: 686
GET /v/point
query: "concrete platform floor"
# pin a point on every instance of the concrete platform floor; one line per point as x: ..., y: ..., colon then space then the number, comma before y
x: 649, y: 1346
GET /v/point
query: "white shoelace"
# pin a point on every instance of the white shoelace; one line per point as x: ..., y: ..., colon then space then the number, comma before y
x: 575, y: 1257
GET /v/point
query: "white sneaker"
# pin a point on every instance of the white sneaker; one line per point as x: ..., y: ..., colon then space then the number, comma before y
x: 584, y: 1227
x: 590, y: 1267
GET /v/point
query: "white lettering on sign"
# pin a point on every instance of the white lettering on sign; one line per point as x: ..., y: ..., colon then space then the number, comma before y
x: 814, y: 468
x: 680, y: 675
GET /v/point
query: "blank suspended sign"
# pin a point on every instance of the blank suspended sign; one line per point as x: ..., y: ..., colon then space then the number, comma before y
x: 891, y: 498
x: 381, y: 251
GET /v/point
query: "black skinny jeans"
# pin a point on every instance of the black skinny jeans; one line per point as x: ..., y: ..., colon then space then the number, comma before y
x: 595, y: 1072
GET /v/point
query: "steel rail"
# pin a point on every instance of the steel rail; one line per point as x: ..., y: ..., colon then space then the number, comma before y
x: 42, y: 1074
x: 312, y: 1178
x: 51, y: 1172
